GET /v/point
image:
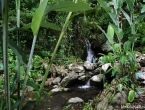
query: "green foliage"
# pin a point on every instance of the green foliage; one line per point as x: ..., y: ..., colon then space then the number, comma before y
x: 131, y: 95
x: 88, y: 105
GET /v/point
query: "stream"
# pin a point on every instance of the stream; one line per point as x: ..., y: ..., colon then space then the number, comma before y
x: 58, y: 100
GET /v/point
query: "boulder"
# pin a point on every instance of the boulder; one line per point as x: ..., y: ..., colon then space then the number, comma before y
x: 97, y: 80
x: 120, y: 98
x: 56, y: 90
x: 89, y: 66
x: 76, y: 67
x: 56, y: 80
x: 61, y: 71
x: 71, y: 77
x: 75, y: 100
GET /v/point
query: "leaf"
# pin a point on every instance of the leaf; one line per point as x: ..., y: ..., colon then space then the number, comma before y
x: 116, y: 47
x: 67, y: 6
x: 1, y: 66
x: 103, y: 32
x: 17, y: 51
x: 141, y: 16
x: 110, y: 33
x: 130, y: 4
x: 120, y: 87
x: 123, y: 59
x: 15, y: 105
x: 32, y: 84
x: 127, y: 46
x: 118, y: 31
x: 143, y: 9
x: 139, y: 89
x: 131, y: 95
x: 50, y: 25
x: 127, y: 17
x: 37, y: 17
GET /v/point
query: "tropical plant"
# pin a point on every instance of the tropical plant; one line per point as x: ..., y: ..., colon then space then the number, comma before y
x: 123, y: 59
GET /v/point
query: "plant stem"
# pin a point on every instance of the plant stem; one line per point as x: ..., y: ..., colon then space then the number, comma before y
x: 28, y: 69
x: 5, y: 51
x: 18, y: 44
x: 55, y: 50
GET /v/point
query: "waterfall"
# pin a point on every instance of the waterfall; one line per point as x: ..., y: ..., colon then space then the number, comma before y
x: 90, y: 52
x: 87, y: 85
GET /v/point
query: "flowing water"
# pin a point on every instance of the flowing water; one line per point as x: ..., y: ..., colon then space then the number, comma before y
x: 86, y: 86
x: 90, y: 52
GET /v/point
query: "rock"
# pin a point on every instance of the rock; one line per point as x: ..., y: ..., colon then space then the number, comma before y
x: 89, y: 66
x: 66, y: 89
x: 120, y: 98
x: 29, y: 89
x: 39, y: 79
x: 56, y: 80
x: 103, y: 104
x: 81, y: 74
x: 49, y: 81
x: 68, y: 79
x: 98, y: 71
x: 75, y: 100
x: 78, y: 68
x: 97, y: 80
x: 106, y: 66
x: 61, y: 71
x: 106, y: 47
x: 82, y: 78
x: 56, y: 90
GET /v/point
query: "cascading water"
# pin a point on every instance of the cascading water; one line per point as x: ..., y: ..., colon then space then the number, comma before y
x: 90, y: 52
x: 90, y: 58
x: 87, y: 85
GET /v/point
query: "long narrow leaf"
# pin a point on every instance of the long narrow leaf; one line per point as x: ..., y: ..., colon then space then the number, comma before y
x: 37, y: 17
x: 127, y: 17
x: 50, y: 25
x: 17, y: 51
x: 67, y: 6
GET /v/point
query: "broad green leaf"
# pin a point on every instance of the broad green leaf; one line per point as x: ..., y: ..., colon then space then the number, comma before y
x: 123, y: 59
x: 143, y: 9
x: 103, y: 4
x: 127, y: 46
x: 50, y: 25
x: 103, y: 32
x: 141, y: 16
x: 1, y: 66
x: 131, y: 95
x: 130, y: 4
x: 118, y: 31
x: 120, y: 87
x: 37, y: 17
x: 139, y: 89
x: 110, y: 33
x: 120, y: 3
x: 17, y: 51
x: 127, y: 17
x: 67, y: 6
x: 131, y: 54
x: 116, y: 47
